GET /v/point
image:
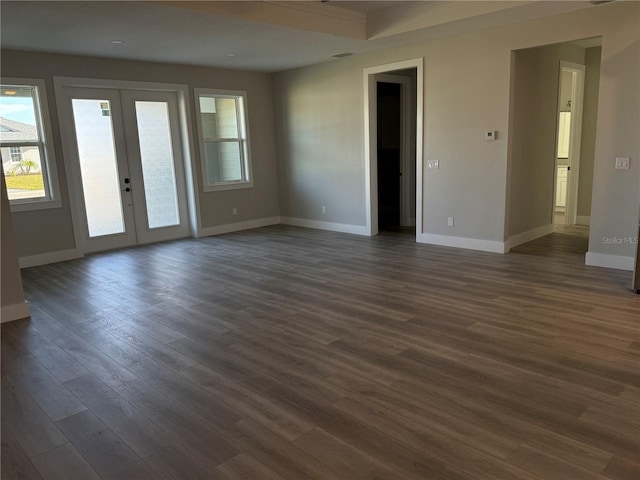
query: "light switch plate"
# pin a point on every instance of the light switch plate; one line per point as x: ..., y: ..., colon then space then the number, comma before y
x: 433, y: 164
x: 490, y: 135
x: 622, y: 163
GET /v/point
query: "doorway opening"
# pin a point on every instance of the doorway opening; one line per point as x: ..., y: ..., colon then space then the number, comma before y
x: 396, y: 157
x: 552, y: 131
x: 393, y: 147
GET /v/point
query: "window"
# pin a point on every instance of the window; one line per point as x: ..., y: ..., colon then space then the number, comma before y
x: 27, y: 159
x: 224, y: 145
x: 16, y: 154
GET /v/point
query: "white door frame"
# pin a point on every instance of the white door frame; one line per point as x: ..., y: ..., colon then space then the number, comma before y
x: 575, y: 137
x: 68, y: 145
x: 370, y: 140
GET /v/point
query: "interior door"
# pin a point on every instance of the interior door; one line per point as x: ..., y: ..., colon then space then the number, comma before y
x: 130, y: 169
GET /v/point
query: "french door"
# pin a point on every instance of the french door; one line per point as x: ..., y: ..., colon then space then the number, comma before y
x: 128, y: 166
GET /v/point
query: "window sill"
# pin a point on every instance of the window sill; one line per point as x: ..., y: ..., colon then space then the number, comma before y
x: 26, y: 206
x: 227, y: 186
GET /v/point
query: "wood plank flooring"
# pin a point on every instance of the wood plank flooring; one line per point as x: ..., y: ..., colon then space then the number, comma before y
x: 286, y: 354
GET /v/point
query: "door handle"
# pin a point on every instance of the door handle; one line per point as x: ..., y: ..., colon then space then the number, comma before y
x: 126, y: 180
x: 127, y: 189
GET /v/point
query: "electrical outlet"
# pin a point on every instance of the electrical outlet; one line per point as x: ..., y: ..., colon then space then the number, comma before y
x: 450, y: 222
x: 234, y: 211
x: 622, y: 163
x: 433, y: 164
x: 324, y: 210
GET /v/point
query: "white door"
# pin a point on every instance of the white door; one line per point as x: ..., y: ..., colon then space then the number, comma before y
x: 569, y: 136
x: 130, y: 172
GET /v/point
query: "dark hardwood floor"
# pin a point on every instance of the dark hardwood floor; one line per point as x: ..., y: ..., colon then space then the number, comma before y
x: 286, y: 353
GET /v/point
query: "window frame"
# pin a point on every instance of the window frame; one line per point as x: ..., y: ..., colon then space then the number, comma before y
x: 44, y: 144
x: 242, y: 140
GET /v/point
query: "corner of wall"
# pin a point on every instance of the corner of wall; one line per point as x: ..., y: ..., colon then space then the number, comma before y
x: 17, y: 311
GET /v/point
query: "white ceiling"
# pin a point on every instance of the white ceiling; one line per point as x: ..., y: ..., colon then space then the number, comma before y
x: 264, y: 36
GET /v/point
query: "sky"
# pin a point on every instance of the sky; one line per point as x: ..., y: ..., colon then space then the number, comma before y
x: 19, y: 109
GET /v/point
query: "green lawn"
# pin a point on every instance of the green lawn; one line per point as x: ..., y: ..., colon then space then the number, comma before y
x: 25, y: 182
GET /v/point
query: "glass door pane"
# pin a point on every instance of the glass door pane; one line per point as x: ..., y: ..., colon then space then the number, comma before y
x: 151, y: 123
x: 156, y: 157
x: 98, y: 166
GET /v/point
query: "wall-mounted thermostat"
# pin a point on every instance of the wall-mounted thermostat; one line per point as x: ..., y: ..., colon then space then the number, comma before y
x: 490, y: 135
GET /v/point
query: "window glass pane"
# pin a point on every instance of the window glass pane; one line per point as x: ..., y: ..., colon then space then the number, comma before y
x: 219, y: 117
x: 18, y: 114
x: 98, y: 166
x: 223, y: 161
x: 158, y: 173
x: 24, y: 177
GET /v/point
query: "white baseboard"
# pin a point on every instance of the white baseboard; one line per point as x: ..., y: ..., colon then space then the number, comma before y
x: 528, y: 236
x: 462, y: 242
x: 236, y: 227
x: 583, y: 220
x: 50, y: 257
x: 15, y: 311
x: 334, y: 227
x: 609, y: 261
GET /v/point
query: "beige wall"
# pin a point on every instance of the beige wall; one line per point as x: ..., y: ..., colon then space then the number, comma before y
x: 589, y: 124
x: 616, y: 193
x: 467, y: 82
x: 12, y: 295
x: 533, y: 134
x: 51, y: 230
x: 319, y: 121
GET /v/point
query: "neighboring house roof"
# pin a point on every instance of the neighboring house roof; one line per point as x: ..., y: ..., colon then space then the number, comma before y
x: 12, y: 131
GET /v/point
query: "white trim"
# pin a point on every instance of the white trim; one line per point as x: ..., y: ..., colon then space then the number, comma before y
x: 334, y: 227
x: 49, y: 257
x: 35, y: 204
x: 463, y: 242
x: 527, y: 236
x: 15, y: 311
x: 118, y: 84
x: 238, y: 226
x: 609, y: 261
x: 583, y: 220
x: 370, y: 128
